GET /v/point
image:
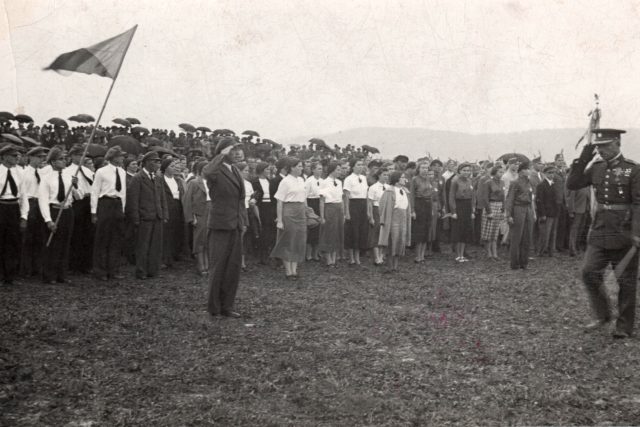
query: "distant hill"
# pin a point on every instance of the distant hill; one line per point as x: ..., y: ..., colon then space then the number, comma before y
x: 417, y: 142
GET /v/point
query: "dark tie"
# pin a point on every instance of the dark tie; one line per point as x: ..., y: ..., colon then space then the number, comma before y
x: 37, y: 176
x: 60, y: 188
x: 85, y: 176
x: 11, y: 183
x: 118, y: 183
x: 402, y: 192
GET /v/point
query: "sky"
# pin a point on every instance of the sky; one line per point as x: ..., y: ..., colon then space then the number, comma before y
x: 311, y: 67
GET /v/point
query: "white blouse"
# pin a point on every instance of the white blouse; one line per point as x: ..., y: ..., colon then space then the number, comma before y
x: 402, y: 201
x: 312, y: 186
x: 264, y: 183
x: 331, y: 190
x: 173, y: 186
x: 375, y: 193
x: 357, y: 186
x: 248, y: 192
x: 291, y: 189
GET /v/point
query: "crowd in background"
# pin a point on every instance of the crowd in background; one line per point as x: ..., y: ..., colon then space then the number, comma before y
x: 304, y: 203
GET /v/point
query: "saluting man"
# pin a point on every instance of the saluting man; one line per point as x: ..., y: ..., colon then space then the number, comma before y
x: 615, y: 227
x: 52, y: 201
x: 83, y: 229
x: 14, y: 209
x: 34, y: 237
x: 108, y: 200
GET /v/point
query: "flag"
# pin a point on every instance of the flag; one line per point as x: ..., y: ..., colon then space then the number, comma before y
x: 104, y: 58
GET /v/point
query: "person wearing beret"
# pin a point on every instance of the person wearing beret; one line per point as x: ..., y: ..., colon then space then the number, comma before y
x: 227, y: 220
x: 520, y: 217
x: 53, y: 202
x: 14, y: 211
x: 146, y: 211
x: 34, y: 236
x: 108, y: 202
x: 174, y: 230
x: 547, y: 212
x: 82, y: 239
x: 615, y: 229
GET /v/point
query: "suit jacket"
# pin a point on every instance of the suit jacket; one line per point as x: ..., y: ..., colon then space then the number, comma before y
x: 578, y: 200
x: 226, y: 190
x: 546, y: 204
x: 146, y: 199
x: 195, y: 200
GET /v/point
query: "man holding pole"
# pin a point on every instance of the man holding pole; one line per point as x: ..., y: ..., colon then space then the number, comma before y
x: 53, y: 201
x: 614, y: 237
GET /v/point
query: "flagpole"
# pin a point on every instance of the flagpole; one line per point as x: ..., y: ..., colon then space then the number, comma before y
x: 93, y: 132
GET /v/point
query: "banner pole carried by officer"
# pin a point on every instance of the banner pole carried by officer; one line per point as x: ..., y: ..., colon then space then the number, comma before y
x: 614, y: 235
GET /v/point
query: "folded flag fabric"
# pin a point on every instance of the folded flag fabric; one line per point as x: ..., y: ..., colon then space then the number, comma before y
x: 104, y: 58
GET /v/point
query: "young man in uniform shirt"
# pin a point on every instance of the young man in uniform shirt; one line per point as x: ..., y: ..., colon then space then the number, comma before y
x: 83, y: 229
x: 34, y: 236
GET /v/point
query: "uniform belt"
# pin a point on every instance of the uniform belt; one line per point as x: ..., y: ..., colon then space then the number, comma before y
x: 613, y: 207
x: 111, y: 197
x: 58, y: 206
x: 8, y: 201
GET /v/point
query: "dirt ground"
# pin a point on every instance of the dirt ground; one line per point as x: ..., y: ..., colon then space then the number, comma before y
x: 435, y: 344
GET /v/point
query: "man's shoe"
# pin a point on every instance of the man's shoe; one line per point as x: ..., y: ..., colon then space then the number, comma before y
x: 597, y: 324
x: 620, y: 334
x: 232, y: 314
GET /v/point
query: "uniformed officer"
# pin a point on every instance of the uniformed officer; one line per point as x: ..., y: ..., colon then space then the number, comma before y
x: 615, y: 227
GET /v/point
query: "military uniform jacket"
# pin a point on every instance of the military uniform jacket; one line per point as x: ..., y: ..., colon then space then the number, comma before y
x: 616, y: 184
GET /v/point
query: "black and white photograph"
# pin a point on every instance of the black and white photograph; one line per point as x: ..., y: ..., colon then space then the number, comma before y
x: 319, y: 213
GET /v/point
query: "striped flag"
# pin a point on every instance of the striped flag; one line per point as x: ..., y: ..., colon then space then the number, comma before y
x: 104, y: 58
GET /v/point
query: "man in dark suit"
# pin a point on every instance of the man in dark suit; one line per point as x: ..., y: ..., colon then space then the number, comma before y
x: 547, y: 212
x: 227, y: 220
x: 146, y: 210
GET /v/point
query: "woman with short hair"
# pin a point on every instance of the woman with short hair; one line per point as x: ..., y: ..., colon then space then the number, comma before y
x: 395, y: 219
x: 491, y: 201
x: 312, y: 188
x: 357, y: 213
x: 421, y: 193
x: 461, y: 205
x: 373, y: 198
x: 331, y: 215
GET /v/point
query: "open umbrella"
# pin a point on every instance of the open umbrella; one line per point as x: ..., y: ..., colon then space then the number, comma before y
x: 78, y: 119
x: 251, y: 133
x: 152, y: 140
x: 12, y: 138
x: 520, y: 157
x: 133, y: 120
x: 162, y: 150
x: 57, y: 121
x: 127, y: 143
x: 139, y: 129
x: 370, y: 149
x: 203, y: 129
x: 269, y: 141
x: 122, y: 122
x: 29, y: 142
x: 96, y: 150
x: 23, y: 118
x: 187, y: 127
x: 5, y: 115
x: 86, y: 117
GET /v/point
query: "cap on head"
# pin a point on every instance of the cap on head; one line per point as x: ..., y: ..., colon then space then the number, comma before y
x: 605, y: 136
x: 225, y: 143
x: 37, y: 151
x: 536, y: 160
x: 9, y: 149
x: 549, y: 169
x: 512, y: 161
x: 151, y: 156
x: 114, y: 152
x: 76, y: 150
x: 523, y: 166
x: 55, y: 154
x: 463, y: 165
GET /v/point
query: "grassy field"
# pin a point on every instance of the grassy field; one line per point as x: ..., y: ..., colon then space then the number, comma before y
x: 436, y: 344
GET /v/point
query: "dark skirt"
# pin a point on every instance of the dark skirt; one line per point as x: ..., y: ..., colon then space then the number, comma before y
x: 313, y: 234
x: 291, y: 243
x: 356, y: 230
x: 420, y: 229
x: 268, y: 215
x: 332, y: 231
x: 462, y: 227
x: 374, y: 230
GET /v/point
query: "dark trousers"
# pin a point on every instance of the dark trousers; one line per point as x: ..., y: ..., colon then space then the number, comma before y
x: 33, y: 241
x: 547, y: 236
x: 520, y: 234
x: 9, y: 241
x: 225, y: 255
x: 56, y: 256
x: 562, y: 228
x: 82, y: 239
x: 148, y: 246
x: 108, y: 238
x: 595, y: 261
x: 173, y: 233
x: 576, y: 233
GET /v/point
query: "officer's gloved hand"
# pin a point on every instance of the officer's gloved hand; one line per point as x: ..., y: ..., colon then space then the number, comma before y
x: 588, y: 153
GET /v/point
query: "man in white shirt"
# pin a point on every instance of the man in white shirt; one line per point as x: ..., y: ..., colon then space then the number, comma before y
x: 108, y: 201
x: 14, y: 209
x: 83, y: 229
x: 34, y: 236
x: 53, y: 202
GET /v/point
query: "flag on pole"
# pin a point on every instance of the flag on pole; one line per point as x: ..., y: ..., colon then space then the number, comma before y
x: 104, y: 58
